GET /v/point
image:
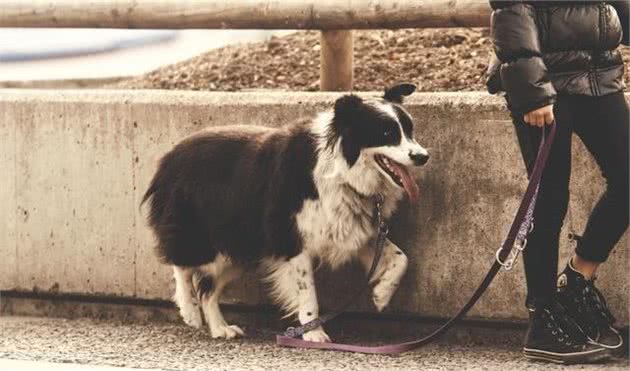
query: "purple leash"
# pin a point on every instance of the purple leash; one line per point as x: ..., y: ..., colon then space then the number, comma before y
x: 506, y: 256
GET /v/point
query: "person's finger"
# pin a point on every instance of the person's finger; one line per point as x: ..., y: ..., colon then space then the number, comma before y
x: 533, y: 120
x: 550, y: 118
x: 526, y: 118
x: 540, y: 120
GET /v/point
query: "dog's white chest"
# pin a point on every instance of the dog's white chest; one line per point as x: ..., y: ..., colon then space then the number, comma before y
x: 334, y: 231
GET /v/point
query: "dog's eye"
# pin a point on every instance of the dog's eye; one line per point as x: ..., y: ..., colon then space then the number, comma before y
x: 387, y: 133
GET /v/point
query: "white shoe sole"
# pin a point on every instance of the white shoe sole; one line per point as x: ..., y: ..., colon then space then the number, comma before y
x: 591, y: 356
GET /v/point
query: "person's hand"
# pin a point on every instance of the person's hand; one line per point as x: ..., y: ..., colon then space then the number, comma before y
x: 540, y: 117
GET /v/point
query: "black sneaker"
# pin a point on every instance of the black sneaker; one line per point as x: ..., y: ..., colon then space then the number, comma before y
x: 588, y: 308
x: 553, y: 337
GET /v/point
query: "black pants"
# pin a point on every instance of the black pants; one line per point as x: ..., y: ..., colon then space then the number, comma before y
x: 602, y: 125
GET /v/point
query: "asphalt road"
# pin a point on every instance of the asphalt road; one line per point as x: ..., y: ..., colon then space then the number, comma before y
x: 89, y: 344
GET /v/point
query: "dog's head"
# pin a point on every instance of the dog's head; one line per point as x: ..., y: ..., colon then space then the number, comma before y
x: 376, y: 140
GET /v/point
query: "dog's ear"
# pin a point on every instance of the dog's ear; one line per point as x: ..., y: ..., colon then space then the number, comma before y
x: 350, y: 149
x: 346, y: 108
x: 397, y: 92
x: 347, y: 113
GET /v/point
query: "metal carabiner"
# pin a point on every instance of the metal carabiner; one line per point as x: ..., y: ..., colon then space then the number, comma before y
x: 498, y: 258
x: 512, y: 258
x: 520, y: 245
x: 292, y: 332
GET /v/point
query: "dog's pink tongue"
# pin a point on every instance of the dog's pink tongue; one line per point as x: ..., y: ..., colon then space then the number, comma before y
x: 412, y: 189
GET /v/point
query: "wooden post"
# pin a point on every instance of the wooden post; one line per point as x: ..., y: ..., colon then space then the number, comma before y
x: 336, y: 60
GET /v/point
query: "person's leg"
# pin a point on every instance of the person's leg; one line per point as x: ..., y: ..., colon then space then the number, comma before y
x: 602, y: 124
x: 551, y: 336
x: 584, y: 266
x: 541, y: 254
x: 604, y: 132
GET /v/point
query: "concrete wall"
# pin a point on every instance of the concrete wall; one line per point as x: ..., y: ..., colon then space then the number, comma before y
x: 74, y: 165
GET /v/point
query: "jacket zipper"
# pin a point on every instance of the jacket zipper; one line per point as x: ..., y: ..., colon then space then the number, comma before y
x: 603, y: 23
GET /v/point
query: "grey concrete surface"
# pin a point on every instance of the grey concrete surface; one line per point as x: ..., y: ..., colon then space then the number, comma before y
x: 176, y: 347
x: 17, y: 365
x: 267, y: 318
x: 77, y: 162
x: 8, y: 211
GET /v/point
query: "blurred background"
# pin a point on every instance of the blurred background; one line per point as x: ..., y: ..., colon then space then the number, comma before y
x: 67, y: 54
x: 435, y: 59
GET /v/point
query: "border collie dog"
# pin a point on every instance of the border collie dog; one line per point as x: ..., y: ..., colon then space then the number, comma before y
x: 282, y: 201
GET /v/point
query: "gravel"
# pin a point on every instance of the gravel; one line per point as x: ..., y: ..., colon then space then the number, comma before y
x: 177, y: 347
x: 434, y: 59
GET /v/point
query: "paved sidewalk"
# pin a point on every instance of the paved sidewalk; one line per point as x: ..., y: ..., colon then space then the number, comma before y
x: 167, y: 346
x: 16, y: 365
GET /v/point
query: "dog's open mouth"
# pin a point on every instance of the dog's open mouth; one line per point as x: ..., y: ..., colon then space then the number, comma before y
x: 399, y: 175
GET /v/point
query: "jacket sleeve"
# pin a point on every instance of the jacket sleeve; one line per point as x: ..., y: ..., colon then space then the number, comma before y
x: 623, y: 11
x: 517, y: 46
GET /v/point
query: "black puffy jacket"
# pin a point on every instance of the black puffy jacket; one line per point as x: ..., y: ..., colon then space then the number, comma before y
x: 545, y: 47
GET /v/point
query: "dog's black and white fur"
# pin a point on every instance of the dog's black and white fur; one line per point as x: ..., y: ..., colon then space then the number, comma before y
x: 280, y: 199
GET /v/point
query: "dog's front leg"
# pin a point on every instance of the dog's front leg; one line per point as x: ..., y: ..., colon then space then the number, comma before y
x: 389, y: 271
x: 308, y: 309
x: 294, y: 287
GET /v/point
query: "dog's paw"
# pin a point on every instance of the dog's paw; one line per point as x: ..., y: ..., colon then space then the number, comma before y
x: 387, y: 284
x: 192, y: 316
x: 318, y: 335
x: 226, y: 332
x: 382, y: 294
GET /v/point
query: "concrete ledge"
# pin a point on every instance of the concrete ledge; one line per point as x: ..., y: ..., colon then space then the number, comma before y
x: 76, y: 162
x: 93, y: 83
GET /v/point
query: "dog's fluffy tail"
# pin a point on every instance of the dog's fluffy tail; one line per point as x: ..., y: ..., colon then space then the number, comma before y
x: 150, y: 191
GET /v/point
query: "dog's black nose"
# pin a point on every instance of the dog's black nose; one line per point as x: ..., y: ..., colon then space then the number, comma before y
x: 419, y: 159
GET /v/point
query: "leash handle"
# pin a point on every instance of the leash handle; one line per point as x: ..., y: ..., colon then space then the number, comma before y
x: 522, y: 221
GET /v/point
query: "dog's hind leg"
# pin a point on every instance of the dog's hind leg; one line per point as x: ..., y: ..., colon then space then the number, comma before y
x: 212, y: 279
x: 185, y: 297
x: 293, y: 286
x: 388, y: 273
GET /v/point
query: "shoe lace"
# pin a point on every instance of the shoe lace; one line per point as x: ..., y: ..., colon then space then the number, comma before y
x: 596, y: 305
x: 562, y: 327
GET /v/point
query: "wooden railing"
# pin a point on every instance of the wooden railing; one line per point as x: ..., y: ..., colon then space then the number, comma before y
x: 335, y: 18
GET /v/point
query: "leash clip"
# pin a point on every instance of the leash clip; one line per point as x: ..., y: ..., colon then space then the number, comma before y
x: 512, y: 258
x: 508, y: 263
x: 520, y: 245
x: 293, y: 332
x: 383, y: 229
